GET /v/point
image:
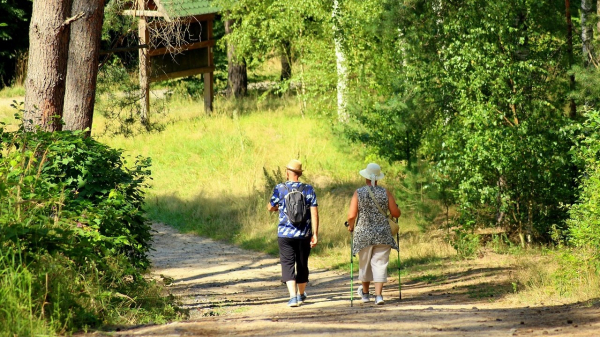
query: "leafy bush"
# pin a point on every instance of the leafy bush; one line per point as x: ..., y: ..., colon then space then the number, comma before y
x: 78, y: 197
x: 73, y: 235
x: 584, y: 221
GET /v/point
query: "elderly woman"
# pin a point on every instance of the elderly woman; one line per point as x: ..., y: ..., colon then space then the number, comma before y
x: 373, y: 238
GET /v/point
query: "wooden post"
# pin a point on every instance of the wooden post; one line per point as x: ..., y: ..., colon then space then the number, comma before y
x: 144, y: 37
x: 208, y: 92
x: 209, y: 77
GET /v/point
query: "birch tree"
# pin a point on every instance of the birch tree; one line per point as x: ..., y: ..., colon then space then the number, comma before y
x: 340, y: 60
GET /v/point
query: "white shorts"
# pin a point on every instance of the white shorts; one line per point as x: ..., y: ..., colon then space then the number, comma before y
x: 373, y: 262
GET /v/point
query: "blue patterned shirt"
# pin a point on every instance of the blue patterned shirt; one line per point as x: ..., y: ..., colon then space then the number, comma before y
x: 286, y: 229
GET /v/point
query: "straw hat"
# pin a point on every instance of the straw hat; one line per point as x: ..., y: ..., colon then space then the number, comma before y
x: 294, y: 165
x: 372, y: 172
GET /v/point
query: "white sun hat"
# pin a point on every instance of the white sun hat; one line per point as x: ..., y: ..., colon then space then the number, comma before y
x: 372, y: 172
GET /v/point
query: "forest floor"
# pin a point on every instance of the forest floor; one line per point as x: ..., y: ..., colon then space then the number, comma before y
x: 231, y: 291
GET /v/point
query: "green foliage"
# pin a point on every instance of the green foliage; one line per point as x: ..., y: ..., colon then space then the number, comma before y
x: 71, y: 195
x: 118, y: 96
x: 478, y: 89
x: 73, y: 235
x: 584, y: 221
x: 465, y: 243
x: 14, y: 37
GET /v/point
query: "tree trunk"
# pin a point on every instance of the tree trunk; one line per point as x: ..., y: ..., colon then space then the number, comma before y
x: 237, y: 75
x: 340, y: 60
x: 82, y: 69
x: 144, y: 66
x: 587, y: 32
x: 47, y: 65
x: 572, y: 106
x: 286, y: 61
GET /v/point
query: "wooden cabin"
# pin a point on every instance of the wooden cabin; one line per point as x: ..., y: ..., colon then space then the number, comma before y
x: 160, y: 61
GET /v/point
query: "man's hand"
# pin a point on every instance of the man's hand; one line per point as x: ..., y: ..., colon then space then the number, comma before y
x: 313, y: 241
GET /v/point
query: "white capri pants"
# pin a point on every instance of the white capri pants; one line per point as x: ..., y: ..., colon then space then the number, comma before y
x: 373, y: 262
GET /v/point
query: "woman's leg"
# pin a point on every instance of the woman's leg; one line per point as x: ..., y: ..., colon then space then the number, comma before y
x: 379, y: 262
x: 365, y: 272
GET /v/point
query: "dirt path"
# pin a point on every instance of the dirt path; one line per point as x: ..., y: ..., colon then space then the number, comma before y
x: 230, y: 291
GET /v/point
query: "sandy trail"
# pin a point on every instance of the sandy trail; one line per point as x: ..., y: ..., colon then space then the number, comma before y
x: 231, y: 291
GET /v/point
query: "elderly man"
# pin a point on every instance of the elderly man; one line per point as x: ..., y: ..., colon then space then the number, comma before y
x: 297, y: 231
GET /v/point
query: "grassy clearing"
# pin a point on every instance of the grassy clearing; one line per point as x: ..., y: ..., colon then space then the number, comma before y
x: 210, y: 175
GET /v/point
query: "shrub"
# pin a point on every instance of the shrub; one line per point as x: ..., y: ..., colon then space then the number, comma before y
x: 65, y: 193
x: 73, y: 236
x: 584, y: 221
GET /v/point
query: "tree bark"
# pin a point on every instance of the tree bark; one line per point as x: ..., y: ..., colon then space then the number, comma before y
x: 286, y: 61
x: 82, y: 69
x: 47, y: 65
x: 237, y: 74
x: 587, y: 32
x: 340, y: 58
x: 144, y: 65
x: 572, y: 106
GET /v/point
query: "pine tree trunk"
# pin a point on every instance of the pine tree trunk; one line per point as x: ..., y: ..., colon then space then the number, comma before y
x: 237, y: 74
x: 82, y: 69
x: 572, y: 106
x: 47, y: 65
x: 286, y: 63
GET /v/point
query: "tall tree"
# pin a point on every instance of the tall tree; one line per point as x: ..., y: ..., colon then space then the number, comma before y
x: 47, y: 65
x: 82, y: 70
x: 237, y: 74
x: 286, y: 60
x: 340, y: 60
x: 587, y: 31
x: 572, y: 106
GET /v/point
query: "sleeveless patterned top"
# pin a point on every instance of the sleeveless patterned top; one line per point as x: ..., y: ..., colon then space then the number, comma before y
x: 372, y: 228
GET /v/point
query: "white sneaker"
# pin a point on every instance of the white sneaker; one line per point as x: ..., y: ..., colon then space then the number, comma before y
x: 365, y: 297
x: 379, y: 300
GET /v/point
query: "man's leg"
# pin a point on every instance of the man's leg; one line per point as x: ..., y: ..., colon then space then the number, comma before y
x: 291, y: 285
x: 287, y: 258
x: 302, y: 254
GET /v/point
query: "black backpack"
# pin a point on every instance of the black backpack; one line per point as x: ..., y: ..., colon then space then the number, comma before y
x: 295, y: 205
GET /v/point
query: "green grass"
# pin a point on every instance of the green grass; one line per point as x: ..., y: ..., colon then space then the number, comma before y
x: 210, y: 174
x: 12, y: 92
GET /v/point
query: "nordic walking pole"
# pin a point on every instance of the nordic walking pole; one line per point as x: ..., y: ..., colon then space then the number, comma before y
x: 351, y: 266
x: 399, y: 283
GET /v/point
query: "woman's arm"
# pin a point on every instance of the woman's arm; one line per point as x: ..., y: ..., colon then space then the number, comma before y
x: 392, y: 206
x: 353, y: 211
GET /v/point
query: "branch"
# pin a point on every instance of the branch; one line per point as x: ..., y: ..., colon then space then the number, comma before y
x: 506, y: 119
x: 592, y: 58
x: 72, y: 19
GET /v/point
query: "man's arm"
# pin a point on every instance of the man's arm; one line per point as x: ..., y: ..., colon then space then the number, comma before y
x: 272, y: 208
x: 314, y: 222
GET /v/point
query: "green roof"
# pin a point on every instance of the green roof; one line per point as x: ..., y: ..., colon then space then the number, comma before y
x: 181, y: 8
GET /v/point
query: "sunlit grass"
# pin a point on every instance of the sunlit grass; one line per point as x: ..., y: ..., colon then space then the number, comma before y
x: 12, y: 92
x: 209, y: 174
